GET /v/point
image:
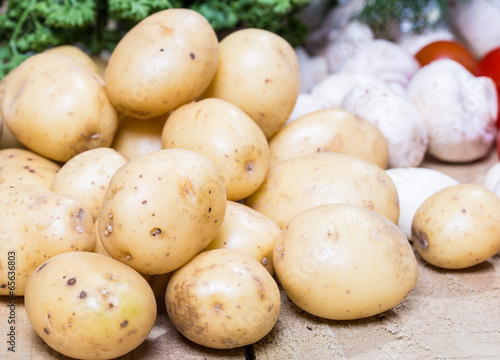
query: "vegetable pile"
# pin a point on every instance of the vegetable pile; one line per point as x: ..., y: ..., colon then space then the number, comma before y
x: 214, y: 174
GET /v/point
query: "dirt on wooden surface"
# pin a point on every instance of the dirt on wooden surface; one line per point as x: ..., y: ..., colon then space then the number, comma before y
x: 450, y: 314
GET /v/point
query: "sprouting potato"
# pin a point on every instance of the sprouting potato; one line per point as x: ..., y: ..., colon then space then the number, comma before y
x: 258, y: 72
x: 165, y: 61
x: 343, y: 262
x: 458, y: 226
x: 223, y: 299
x: 248, y: 232
x: 22, y: 166
x: 38, y: 224
x: 89, y: 306
x: 161, y: 209
x: 86, y: 176
x: 301, y: 183
x: 57, y: 107
x: 226, y: 135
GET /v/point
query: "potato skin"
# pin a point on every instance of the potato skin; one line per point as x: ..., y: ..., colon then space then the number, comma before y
x: 76, y: 53
x: 57, y: 107
x: 166, y: 60
x: 161, y: 209
x: 330, y: 130
x: 89, y: 306
x: 324, y: 178
x: 22, y: 166
x: 258, y: 72
x: 222, y: 299
x: 38, y: 224
x: 226, y: 135
x: 344, y: 262
x: 458, y: 226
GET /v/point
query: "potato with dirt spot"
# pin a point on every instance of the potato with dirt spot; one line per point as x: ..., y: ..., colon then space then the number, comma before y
x: 86, y: 176
x: 344, y: 262
x: 307, y: 181
x: 165, y: 61
x: 161, y: 209
x: 57, y: 107
x: 22, y: 166
x: 248, y: 232
x: 223, y: 300
x: 258, y: 72
x: 38, y: 224
x: 330, y: 130
x: 226, y: 135
x: 458, y: 226
x: 89, y: 306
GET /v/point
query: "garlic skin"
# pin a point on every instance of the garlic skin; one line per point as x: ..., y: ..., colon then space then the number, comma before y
x: 459, y: 110
x: 414, y: 42
x: 305, y: 104
x: 312, y: 69
x: 492, y: 180
x: 414, y: 186
x: 398, y: 119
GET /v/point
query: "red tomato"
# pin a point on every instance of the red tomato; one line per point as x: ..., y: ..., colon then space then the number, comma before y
x: 489, y: 66
x: 446, y: 49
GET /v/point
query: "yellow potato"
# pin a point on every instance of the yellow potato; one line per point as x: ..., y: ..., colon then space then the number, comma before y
x: 227, y: 136
x: 343, y: 262
x: 161, y: 209
x: 35, y: 225
x: 57, y: 107
x: 86, y: 176
x: 89, y: 306
x: 248, y: 232
x: 259, y: 73
x: 136, y: 137
x: 222, y: 299
x: 330, y: 130
x: 25, y: 167
x: 301, y: 183
x: 7, y: 140
x: 458, y: 226
x: 76, y: 53
x: 165, y: 61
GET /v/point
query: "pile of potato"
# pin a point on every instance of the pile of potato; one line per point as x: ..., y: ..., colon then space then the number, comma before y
x: 174, y: 178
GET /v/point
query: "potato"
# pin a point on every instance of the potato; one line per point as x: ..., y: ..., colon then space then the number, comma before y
x: 259, y: 73
x: 330, y: 130
x: 161, y: 209
x: 222, y: 299
x: 89, y: 306
x: 25, y: 167
x: 35, y: 225
x: 248, y: 232
x: 57, y: 107
x: 7, y: 140
x: 136, y: 137
x: 226, y: 135
x: 324, y: 178
x: 86, y: 176
x: 458, y: 226
x: 75, y: 53
x: 343, y: 262
x: 165, y: 61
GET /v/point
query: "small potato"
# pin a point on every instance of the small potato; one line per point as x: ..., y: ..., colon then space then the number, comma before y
x: 324, y: 178
x: 57, y: 107
x: 458, y: 226
x: 344, y: 262
x: 226, y: 135
x: 165, y: 61
x: 223, y: 300
x: 161, y: 209
x: 35, y: 225
x: 136, y: 137
x: 86, y: 176
x: 259, y: 73
x: 89, y: 306
x: 247, y: 232
x: 7, y: 140
x: 76, y: 53
x: 22, y: 166
x: 330, y: 130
